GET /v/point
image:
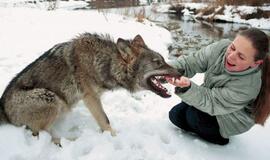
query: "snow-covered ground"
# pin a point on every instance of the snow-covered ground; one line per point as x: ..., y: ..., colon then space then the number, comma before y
x: 141, y: 119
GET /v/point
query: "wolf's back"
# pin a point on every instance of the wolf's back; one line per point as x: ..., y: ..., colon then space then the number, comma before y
x: 3, y: 116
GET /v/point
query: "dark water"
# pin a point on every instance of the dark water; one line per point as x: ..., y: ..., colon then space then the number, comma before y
x: 190, y: 36
x: 208, y: 30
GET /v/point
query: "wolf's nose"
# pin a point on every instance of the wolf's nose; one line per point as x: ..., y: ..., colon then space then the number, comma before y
x: 181, y: 71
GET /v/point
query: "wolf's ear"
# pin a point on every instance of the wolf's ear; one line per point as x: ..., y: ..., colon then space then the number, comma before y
x: 138, y: 41
x: 123, y: 47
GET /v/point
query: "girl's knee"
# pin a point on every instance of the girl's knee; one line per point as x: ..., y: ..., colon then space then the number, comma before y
x: 173, y: 115
x: 177, y: 116
x: 176, y: 112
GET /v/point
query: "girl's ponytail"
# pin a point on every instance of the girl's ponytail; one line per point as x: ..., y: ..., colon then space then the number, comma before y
x: 262, y: 103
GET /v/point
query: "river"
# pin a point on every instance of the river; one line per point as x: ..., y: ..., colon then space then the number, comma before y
x: 188, y: 35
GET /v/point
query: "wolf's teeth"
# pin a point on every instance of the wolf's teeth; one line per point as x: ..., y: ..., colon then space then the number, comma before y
x: 158, y: 85
x: 159, y: 77
x: 153, y: 79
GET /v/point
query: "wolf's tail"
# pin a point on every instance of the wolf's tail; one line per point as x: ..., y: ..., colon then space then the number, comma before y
x: 3, y: 116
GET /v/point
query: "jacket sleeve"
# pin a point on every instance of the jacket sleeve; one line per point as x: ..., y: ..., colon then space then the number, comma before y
x: 220, y: 101
x: 198, y: 62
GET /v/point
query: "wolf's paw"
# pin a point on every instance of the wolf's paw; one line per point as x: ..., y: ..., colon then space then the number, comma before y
x: 57, y: 141
x: 113, y: 132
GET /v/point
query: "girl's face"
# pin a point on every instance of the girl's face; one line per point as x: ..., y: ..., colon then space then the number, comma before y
x: 240, y: 55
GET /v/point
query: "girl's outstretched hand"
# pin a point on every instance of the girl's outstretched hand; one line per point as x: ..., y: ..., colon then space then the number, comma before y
x: 178, y: 81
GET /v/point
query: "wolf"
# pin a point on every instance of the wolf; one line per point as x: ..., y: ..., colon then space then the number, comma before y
x: 81, y: 69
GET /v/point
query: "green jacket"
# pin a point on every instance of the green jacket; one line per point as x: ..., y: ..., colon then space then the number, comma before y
x: 226, y: 95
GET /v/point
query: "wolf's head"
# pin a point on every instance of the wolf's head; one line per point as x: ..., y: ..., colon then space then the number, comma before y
x: 147, y: 66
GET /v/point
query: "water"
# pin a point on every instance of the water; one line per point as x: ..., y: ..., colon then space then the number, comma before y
x: 188, y: 35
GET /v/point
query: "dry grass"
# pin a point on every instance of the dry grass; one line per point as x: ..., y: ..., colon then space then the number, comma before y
x: 99, y: 4
x: 211, y: 12
x: 242, y: 2
x: 259, y: 14
x: 140, y: 15
x: 207, y: 10
x: 228, y: 2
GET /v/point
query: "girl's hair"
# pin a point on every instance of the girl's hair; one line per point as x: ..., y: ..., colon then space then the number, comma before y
x: 260, y: 42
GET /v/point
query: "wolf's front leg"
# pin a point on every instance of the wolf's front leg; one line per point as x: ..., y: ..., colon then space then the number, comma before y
x: 94, y: 105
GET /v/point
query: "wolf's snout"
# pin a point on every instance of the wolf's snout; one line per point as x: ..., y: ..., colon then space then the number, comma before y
x: 181, y: 71
x: 156, y: 80
x: 175, y: 72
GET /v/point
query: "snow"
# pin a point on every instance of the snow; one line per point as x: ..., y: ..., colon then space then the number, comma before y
x: 140, y: 119
x: 231, y: 16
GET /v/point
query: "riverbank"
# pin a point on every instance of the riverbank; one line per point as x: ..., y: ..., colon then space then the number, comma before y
x: 254, y: 16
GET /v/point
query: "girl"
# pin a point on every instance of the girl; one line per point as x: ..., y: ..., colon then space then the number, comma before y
x: 235, y: 92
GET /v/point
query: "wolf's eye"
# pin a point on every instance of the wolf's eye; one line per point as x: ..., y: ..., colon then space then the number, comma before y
x: 157, y: 61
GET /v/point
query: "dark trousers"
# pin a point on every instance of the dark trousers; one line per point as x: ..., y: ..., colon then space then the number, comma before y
x: 191, y: 119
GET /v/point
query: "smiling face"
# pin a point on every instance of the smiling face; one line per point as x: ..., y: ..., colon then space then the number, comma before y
x: 240, y: 55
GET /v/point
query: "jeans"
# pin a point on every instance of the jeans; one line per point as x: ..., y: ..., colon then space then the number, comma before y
x: 191, y: 119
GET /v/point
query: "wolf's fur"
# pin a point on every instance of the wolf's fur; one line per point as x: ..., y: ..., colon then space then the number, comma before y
x: 82, y: 68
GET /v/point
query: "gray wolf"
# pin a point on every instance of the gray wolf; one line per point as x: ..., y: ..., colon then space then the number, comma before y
x: 81, y: 69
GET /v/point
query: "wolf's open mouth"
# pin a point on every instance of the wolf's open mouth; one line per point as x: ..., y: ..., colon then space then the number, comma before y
x: 156, y: 86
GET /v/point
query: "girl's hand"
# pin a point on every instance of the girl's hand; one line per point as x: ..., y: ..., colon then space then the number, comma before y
x: 178, y: 81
